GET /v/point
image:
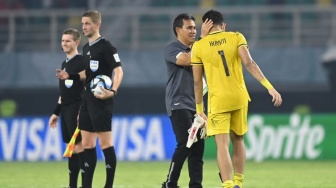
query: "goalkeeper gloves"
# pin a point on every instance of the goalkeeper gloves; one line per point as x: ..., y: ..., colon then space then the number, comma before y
x: 197, y: 124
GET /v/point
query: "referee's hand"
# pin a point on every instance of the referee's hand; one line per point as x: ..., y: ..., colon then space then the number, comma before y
x: 61, y: 74
x: 53, y: 121
x: 106, y: 94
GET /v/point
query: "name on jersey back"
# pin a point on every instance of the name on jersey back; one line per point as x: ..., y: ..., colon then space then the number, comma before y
x: 217, y: 42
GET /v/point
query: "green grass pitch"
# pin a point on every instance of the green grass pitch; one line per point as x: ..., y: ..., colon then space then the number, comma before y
x: 275, y: 174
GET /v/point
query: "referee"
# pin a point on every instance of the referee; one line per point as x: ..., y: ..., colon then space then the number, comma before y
x: 95, y: 118
x: 69, y: 102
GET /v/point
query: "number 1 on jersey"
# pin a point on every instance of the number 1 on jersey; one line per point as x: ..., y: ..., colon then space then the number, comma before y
x: 221, y: 53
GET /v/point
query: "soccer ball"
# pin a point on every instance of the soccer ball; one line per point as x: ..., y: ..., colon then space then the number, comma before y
x: 100, y: 81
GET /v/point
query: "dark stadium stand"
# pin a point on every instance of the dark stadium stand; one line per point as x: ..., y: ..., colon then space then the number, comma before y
x: 285, y: 37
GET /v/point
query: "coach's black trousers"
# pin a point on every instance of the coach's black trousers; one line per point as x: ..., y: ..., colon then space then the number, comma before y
x: 182, y: 121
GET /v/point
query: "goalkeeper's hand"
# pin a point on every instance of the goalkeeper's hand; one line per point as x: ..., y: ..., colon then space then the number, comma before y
x: 198, y: 123
x: 204, y: 126
x: 204, y: 131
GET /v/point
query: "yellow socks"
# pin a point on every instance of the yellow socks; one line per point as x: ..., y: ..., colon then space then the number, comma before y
x: 238, y: 180
x: 227, y: 184
x: 236, y: 183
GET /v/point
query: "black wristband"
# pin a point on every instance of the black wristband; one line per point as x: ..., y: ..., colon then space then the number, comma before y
x: 75, y: 76
x: 57, y: 110
x: 114, y: 91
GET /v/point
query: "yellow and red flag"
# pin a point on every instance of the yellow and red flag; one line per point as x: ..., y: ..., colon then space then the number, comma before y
x: 70, y: 147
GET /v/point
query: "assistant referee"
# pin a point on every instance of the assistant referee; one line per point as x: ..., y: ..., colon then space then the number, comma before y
x: 69, y: 102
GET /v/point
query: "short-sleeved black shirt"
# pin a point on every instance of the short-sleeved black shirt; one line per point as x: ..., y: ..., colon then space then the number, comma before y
x: 70, y: 90
x: 100, y: 58
x: 180, y: 84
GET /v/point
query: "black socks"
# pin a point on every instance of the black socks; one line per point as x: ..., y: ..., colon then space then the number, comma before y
x: 90, y: 165
x: 110, y: 164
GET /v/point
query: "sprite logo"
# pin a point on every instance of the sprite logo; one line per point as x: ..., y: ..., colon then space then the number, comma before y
x: 296, y: 139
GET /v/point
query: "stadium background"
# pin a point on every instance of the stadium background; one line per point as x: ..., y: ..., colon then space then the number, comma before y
x: 287, y: 38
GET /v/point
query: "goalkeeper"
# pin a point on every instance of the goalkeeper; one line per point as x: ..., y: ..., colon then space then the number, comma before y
x: 222, y: 62
x: 69, y: 102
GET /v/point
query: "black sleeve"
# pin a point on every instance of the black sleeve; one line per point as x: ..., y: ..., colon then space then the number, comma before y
x: 111, y: 55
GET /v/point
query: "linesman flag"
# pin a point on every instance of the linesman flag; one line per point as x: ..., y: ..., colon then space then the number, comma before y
x: 70, y: 147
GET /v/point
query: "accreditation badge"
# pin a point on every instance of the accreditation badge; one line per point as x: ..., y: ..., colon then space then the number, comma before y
x: 94, y: 65
x: 68, y: 83
x: 116, y: 58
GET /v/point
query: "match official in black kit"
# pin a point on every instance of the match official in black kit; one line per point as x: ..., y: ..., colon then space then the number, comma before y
x: 95, y: 118
x: 69, y: 102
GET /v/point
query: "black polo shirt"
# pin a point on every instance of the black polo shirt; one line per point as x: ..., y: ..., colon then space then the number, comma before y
x: 71, y: 90
x: 100, y: 58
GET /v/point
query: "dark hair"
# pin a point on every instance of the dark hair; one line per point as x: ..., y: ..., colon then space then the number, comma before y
x: 178, y: 22
x: 74, y: 32
x: 216, y: 17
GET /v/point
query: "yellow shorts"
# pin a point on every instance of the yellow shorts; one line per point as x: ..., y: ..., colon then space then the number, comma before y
x: 221, y: 123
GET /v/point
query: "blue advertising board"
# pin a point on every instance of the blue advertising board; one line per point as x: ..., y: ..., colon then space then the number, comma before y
x: 136, y: 138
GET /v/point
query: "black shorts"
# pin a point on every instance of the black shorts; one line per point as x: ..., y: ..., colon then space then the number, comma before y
x: 95, y: 114
x: 69, y: 116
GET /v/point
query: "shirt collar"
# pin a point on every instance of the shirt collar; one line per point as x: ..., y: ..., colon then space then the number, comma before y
x: 94, y: 42
x: 186, y: 48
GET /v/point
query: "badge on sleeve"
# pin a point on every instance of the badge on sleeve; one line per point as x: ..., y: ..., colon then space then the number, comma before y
x: 116, y: 58
x: 68, y: 83
x: 94, y: 65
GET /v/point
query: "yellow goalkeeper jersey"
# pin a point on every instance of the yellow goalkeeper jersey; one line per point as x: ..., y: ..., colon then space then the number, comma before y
x: 218, y: 53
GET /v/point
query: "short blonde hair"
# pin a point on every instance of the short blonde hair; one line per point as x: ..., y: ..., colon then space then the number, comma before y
x: 73, y: 32
x: 94, y: 15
